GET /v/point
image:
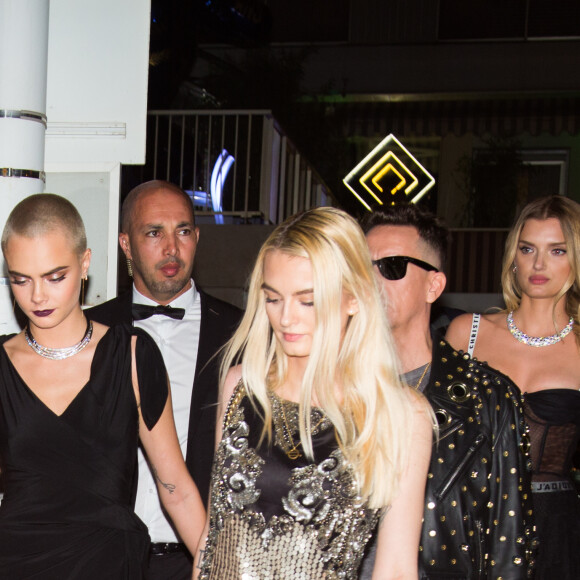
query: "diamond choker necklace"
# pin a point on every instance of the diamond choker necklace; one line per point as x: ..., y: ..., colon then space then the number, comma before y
x: 59, y: 353
x: 537, y: 340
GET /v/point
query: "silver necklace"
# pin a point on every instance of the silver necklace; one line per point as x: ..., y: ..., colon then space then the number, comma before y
x: 59, y: 353
x: 537, y: 340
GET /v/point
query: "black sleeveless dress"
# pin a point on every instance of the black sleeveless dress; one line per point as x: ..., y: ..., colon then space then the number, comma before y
x: 66, y: 512
x: 275, y: 514
x: 553, y: 416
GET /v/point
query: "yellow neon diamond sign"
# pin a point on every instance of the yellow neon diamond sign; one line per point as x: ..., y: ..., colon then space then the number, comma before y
x: 387, y: 175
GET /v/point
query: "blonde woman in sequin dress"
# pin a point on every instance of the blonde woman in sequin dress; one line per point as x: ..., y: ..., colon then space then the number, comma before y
x: 320, y: 440
x: 535, y: 341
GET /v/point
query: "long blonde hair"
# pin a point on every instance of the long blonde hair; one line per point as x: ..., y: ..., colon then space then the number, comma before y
x: 567, y: 212
x: 372, y: 413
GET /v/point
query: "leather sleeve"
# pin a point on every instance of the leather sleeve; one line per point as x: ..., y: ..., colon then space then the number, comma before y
x: 509, y: 526
x: 477, y: 517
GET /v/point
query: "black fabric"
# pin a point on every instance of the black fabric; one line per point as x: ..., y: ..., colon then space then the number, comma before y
x: 152, y: 378
x: 558, y: 522
x: 218, y: 322
x: 556, y: 406
x: 553, y: 416
x: 275, y: 479
x: 66, y: 512
x: 176, y: 566
x: 143, y: 311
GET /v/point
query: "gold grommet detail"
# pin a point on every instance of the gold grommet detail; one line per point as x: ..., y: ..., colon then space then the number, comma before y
x: 443, y: 417
x: 458, y: 392
x: 524, y: 443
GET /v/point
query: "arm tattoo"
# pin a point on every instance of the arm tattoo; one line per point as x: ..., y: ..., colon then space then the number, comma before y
x: 170, y: 487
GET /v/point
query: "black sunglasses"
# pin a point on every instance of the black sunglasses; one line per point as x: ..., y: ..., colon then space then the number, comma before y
x: 395, y: 267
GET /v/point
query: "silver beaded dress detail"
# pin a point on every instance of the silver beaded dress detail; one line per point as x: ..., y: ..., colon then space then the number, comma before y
x: 275, y: 514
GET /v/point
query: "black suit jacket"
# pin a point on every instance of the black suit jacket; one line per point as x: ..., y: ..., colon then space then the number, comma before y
x: 218, y: 321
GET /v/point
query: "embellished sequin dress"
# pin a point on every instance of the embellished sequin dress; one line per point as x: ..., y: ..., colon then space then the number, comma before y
x: 273, y: 517
x: 553, y: 416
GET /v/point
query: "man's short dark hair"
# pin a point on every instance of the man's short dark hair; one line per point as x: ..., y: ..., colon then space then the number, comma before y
x: 431, y: 229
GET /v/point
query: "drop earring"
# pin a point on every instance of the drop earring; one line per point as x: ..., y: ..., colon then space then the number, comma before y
x: 83, y: 289
x: 129, y: 268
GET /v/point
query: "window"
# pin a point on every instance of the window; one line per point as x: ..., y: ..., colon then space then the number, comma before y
x: 481, y: 19
x: 505, y: 179
x: 503, y: 19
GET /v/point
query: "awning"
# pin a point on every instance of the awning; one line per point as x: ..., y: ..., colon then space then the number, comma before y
x: 430, y: 118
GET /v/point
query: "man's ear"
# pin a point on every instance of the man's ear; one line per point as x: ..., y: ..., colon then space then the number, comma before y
x: 437, y: 283
x: 125, y: 245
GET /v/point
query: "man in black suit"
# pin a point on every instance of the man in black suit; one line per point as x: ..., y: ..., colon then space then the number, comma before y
x: 159, y: 239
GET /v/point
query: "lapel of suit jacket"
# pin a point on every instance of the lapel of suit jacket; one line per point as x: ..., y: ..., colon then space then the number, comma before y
x: 125, y: 303
x: 113, y: 312
x: 205, y: 383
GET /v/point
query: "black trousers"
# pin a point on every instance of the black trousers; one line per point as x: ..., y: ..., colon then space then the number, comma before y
x: 176, y: 566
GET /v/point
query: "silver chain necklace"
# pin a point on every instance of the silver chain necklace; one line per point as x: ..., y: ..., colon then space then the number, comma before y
x: 59, y: 353
x: 537, y: 340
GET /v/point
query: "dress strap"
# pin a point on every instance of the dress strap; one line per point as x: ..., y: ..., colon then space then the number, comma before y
x: 473, y: 334
x: 235, y: 400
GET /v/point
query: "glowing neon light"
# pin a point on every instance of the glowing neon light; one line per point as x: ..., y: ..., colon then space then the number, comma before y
x: 378, y: 177
x: 218, y: 177
x: 389, y: 155
x: 389, y: 166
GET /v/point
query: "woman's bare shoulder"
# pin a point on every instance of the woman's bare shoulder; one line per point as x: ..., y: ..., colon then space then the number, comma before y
x: 492, y: 323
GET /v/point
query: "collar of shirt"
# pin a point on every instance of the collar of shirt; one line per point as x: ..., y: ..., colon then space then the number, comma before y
x: 185, y: 300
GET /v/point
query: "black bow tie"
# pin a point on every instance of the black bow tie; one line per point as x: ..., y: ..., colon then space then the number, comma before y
x: 142, y: 311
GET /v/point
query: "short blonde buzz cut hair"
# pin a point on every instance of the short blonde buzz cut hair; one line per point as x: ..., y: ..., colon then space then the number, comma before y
x: 42, y: 213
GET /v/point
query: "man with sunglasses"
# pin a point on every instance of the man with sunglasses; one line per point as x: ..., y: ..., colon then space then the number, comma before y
x: 477, y: 515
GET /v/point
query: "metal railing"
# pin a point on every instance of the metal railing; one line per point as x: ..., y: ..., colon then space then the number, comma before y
x: 238, y: 166
x: 474, y: 260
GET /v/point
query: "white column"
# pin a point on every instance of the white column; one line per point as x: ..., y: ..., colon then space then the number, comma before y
x: 23, y: 67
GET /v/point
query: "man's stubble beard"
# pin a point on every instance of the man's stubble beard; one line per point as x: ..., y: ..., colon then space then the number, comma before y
x: 164, y: 290
x: 168, y: 288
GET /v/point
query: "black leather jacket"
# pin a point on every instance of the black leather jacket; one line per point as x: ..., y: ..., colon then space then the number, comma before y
x: 478, y: 514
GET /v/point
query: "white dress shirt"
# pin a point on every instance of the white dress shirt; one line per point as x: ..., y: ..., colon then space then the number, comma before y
x: 178, y: 341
